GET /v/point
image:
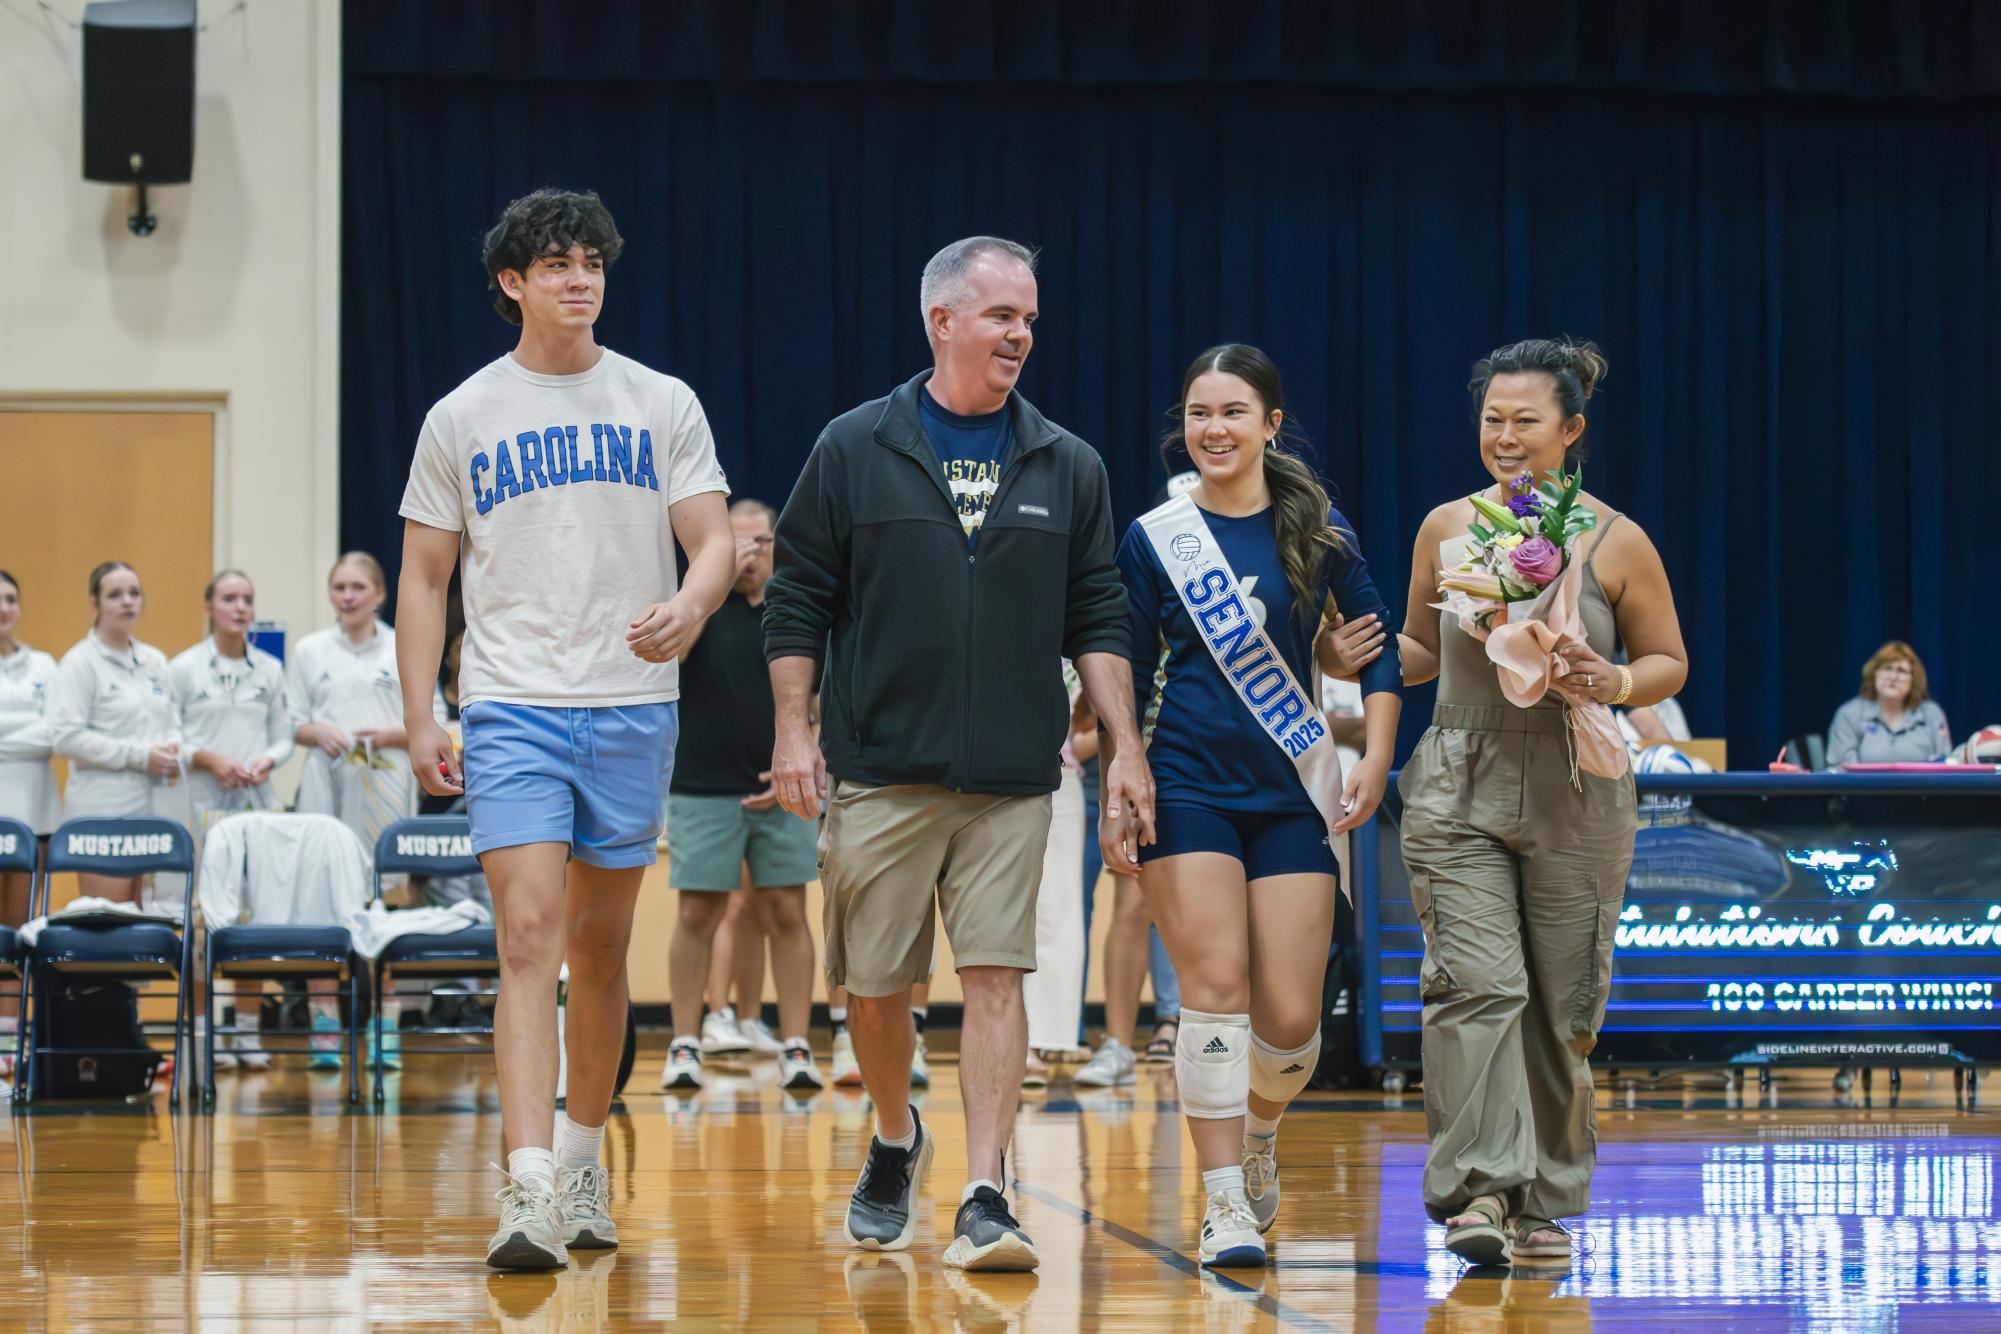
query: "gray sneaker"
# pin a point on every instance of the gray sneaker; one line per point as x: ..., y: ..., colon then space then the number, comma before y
x: 881, y: 1212
x: 1110, y: 1066
x: 530, y: 1235
x: 987, y: 1237
x: 583, y: 1206
x: 1261, y: 1179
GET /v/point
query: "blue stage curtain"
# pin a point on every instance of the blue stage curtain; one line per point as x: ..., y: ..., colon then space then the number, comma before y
x: 1800, y: 295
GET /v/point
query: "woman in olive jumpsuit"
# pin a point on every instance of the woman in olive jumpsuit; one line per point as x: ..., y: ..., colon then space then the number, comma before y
x: 1517, y: 859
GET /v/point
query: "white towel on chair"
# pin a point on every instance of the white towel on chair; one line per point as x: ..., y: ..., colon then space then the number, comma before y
x: 92, y: 911
x: 374, y: 927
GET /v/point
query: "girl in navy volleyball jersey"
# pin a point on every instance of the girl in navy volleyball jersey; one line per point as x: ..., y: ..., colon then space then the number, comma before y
x: 1241, y: 874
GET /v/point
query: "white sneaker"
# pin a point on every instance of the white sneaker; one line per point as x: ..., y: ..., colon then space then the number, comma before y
x: 1110, y: 1066
x: 721, y: 1036
x: 796, y: 1069
x: 920, y: 1071
x: 684, y: 1065
x: 530, y: 1235
x: 583, y: 1207
x: 247, y: 1044
x: 847, y: 1071
x: 763, y: 1042
x: 1230, y: 1237
x: 1261, y: 1179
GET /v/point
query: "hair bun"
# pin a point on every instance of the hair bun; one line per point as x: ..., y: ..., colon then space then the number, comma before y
x: 1587, y: 363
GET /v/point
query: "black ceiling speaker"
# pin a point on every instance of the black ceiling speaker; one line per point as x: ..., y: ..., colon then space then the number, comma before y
x: 139, y: 95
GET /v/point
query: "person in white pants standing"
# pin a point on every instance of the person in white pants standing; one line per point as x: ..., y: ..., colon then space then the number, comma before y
x: 1053, y: 994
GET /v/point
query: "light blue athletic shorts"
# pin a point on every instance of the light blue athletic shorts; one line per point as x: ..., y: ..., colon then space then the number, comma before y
x: 591, y: 778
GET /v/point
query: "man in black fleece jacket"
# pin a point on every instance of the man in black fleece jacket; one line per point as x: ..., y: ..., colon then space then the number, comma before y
x: 945, y: 548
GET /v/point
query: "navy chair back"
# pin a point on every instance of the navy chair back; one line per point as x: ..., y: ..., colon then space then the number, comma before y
x: 432, y: 845
x: 138, y: 845
x: 135, y: 846
x: 17, y: 846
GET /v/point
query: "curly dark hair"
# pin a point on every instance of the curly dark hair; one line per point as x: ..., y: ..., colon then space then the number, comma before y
x: 547, y: 222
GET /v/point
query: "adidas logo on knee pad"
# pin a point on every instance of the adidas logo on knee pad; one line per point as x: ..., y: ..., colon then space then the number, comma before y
x: 1212, y: 1064
x: 1279, y: 1075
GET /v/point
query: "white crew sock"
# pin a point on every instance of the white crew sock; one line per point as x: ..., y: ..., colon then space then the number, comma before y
x: 907, y: 1140
x: 796, y: 1042
x: 1223, y: 1178
x: 534, y: 1168
x: 1258, y: 1126
x: 972, y: 1186
x: 577, y: 1146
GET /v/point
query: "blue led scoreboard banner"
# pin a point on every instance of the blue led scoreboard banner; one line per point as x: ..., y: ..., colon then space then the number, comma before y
x: 1769, y: 917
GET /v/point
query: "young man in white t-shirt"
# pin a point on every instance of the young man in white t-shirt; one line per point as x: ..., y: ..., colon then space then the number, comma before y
x: 561, y: 473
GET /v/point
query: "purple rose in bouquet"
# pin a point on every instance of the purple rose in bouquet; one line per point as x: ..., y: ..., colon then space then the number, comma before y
x: 1537, y: 561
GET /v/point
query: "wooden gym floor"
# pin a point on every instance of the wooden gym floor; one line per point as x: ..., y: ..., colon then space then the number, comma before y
x: 1798, y: 1209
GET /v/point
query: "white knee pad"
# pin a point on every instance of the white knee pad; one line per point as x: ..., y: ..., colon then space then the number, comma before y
x: 1212, y: 1063
x: 1278, y: 1076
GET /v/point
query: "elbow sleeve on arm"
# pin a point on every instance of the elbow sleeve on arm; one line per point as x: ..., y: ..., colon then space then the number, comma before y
x: 1386, y: 672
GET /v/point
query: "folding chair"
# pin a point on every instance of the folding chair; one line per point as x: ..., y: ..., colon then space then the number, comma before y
x: 139, y: 952
x: 18, y: 852
x: 248, y: 952
x: 432, y: 845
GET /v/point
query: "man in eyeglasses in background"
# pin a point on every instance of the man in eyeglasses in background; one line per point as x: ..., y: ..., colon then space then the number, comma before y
x: 723, y: 815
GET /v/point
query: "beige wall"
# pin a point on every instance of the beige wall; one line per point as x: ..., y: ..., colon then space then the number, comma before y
x: 231, y: 303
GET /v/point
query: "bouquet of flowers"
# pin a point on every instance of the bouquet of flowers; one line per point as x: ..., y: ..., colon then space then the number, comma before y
x: 1518, y: 554
x: 1518, y: 591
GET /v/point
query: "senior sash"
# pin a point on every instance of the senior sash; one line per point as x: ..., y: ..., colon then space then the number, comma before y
x: 1244, y: 653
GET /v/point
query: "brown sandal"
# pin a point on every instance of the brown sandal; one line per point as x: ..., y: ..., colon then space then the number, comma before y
x: 1160, y: 1048
x: 1523, y: 1234
x: 1477, y: 1233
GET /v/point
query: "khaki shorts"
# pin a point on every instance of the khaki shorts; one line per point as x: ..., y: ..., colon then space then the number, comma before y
x: 884, y: 853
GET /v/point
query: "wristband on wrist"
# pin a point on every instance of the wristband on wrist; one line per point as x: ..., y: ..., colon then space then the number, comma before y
x: 1625, y: 686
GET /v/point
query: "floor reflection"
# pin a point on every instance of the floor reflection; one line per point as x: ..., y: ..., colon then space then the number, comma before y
x: 1783, y: 1209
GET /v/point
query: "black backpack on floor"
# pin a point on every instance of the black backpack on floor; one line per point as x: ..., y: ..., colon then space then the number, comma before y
x: 89, y: 1012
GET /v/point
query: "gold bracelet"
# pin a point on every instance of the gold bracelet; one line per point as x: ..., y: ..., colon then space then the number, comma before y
x: 1625, y: 686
